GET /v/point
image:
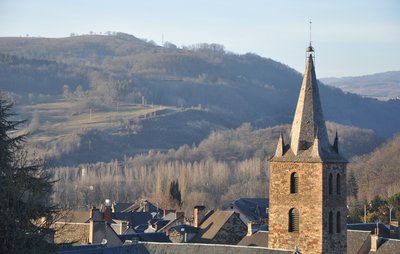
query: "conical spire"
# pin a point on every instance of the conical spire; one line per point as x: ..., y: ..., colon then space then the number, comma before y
x: 280, y: 147
x: 336, y: 144
x: 308, y: 117
x: 316, y: 148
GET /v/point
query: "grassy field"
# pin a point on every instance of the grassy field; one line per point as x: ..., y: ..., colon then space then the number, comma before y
x: 61, y: 118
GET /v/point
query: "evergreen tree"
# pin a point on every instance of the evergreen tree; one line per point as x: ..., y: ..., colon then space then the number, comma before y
x: 175, y: 193
x: 25, y: 188
x: 355, y: 212
x: 394, y: 204
x: 377, y: 209
x: 352, y: 186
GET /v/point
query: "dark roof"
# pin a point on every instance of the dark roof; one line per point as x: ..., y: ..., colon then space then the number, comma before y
x: 214, y: 223
x: 186, y: 228
x: 146, y: 237
x: 384, y: 230
x: 141, y: 228
x: 129, y: 231
x: 263, y: 227
x: 134, y: 218
x: 356, y: 239
x: 161, y: 223
x: 260, y: 238
x: 154, y: 220
x: 255, y: 209
x: 388, y: 246
x: 143, y: 205
x: 171, y: 223
x: 119, y: 206
x: 100, y: 249
x: 179, y: 248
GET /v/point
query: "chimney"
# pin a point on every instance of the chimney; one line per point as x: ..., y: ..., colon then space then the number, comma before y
x: 198, y: 215
x: 249, y: 228
x: 375, y: 242
x: 179, y: 214
x: 95, y: 214
x: 122, y: 227
x: 107, y: 211
x: 168, y: 211
x: 96, y: 219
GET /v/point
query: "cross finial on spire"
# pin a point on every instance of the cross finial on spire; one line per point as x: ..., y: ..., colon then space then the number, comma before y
x: 310, y: 31
x: 310, y: 49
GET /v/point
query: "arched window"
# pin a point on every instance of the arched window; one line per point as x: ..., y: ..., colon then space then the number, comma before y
x: 294, y: 220
x: 294, y: 183
x: 330, y: 226
x: 338, y: 223
x: 338, y: 184
x: 330, y: 183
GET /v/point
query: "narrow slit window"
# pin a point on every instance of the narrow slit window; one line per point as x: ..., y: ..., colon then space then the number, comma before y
x: 330, y: 184
x: 338, y: 184
x: 294, y: 183
x: 294, y: 220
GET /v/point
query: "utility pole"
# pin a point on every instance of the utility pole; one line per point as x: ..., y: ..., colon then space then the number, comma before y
x: 365, y: 213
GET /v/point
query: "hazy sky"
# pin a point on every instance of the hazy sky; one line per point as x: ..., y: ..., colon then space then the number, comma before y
x: 350, y: 37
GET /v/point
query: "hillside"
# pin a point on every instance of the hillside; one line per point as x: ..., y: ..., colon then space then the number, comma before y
x: 383, y: 86
x: 224, y: 166
x: 208, y: 88
x: 378, y: 173
x: 24, y: 76
x: 65, y: 136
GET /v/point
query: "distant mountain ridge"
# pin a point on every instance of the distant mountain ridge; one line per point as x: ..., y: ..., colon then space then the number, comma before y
x: 238, y: 88
x: 383, y: 86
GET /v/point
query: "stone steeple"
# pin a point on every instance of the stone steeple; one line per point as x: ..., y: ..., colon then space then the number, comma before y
x: 308, y: 119
x: 307, y: 194
x: 308, y: 137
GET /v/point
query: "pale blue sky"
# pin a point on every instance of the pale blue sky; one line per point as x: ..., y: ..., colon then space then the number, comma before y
x: 350, y: 37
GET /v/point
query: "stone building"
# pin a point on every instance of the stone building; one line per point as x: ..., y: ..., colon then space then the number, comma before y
x: 308, y: 180
x: 72, y: 228
x: 221, y: 227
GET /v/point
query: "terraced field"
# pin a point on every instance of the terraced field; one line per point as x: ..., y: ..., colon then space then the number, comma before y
x: 60, y: 124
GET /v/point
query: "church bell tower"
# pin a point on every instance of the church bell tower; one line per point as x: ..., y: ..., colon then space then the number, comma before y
x: 308, y: 180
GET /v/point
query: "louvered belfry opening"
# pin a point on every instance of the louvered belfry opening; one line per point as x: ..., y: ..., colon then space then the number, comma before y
x: 294, y: 220
x: 294, y: 183
x: 338, y: 223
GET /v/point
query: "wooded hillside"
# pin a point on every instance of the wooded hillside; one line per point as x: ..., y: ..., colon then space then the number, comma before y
x: 135, y: 116
x: 378, y: 173
x: 122, y: 68
x: 226, y: 165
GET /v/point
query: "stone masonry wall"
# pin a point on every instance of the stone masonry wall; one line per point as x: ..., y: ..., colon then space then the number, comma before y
x: 313, y: 202
x: 71, y: 232
x: 308, y: 201
x: 336, y: 202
